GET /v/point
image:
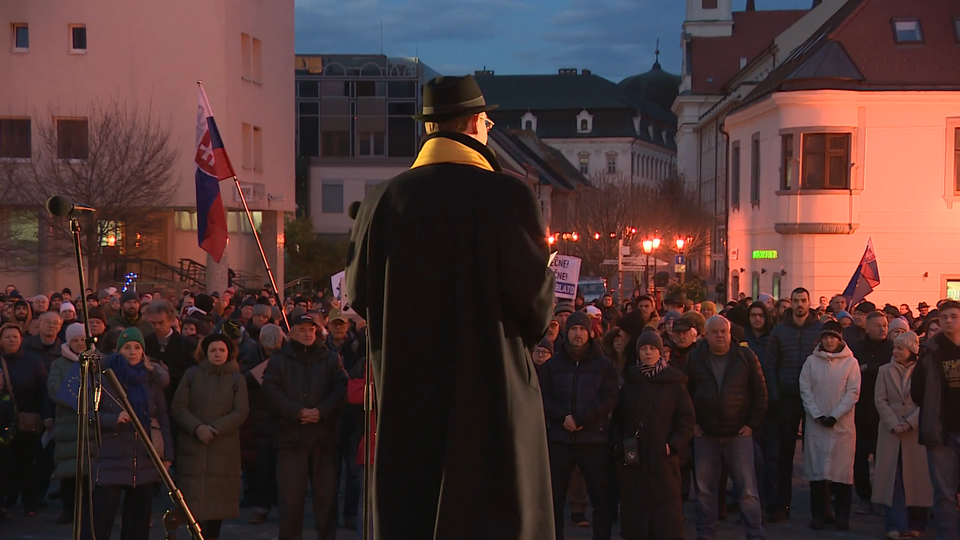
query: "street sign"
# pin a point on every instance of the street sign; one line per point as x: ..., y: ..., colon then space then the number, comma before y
x: 610, y: 262
x: 679, y: 268
x: 632, y: 261
x: 634, y: 268
x: 625, y: 250
x: 679, y: 259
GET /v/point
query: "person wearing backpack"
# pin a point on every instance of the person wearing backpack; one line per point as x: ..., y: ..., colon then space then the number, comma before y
x: 208, y: 408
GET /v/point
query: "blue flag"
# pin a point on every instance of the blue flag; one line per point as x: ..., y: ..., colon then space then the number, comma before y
x: 69, y: 391
x: 865, y: 279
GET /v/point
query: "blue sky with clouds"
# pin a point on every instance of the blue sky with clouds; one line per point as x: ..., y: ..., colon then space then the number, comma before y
x: 614, y: 38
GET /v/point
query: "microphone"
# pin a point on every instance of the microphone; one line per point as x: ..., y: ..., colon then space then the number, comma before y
x: 60, y: 206
x: 353, y: 210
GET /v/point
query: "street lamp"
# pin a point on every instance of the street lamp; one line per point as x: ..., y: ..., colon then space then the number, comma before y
x: 681, y: 243
x: 648, y: 248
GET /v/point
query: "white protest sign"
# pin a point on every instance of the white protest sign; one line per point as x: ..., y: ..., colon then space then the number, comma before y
x: 338, y: 286
x: 567, y: 270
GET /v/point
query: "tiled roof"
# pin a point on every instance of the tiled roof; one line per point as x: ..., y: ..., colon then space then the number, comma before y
x: 855, y: 49
x: 556, y: 100
x: 716, y: 60
x: 527, y: 149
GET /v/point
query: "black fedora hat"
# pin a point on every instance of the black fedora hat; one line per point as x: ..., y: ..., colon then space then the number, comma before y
x: 445, y: 98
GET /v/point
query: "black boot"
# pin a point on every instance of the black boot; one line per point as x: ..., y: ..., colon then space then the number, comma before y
x: 818, y: 505
x: 844, y: 500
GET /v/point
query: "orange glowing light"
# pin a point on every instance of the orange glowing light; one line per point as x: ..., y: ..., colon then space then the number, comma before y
x: 596, y: 236
x: 111, y: 240
x: 680, y: 243
x: 656, y: 243
x: 575, y: 237
x: 648, y: 246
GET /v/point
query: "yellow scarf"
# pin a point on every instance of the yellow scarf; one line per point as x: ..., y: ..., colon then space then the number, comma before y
x: 443, y: 150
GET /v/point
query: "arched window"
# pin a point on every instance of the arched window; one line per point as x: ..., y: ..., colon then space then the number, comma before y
x: 528, y: 125
x: 584, y: 125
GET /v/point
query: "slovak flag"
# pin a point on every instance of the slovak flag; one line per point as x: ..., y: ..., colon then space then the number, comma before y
x: 865, y: 279
x: 213, y: 165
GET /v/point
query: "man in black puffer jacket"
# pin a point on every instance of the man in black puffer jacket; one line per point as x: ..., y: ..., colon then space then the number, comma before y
x: 580, y: 388
x: 730, y: 400
x: 788, y: 347
x: 305, y: 386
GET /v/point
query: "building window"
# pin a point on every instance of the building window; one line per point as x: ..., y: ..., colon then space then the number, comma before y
x: 527, y: 125
x: 112, y: 235
x: 78, y: 39
x: 185, y: 220
x: 15, y: 138
x: 246, y: 135
x: 256, y: 61
x: 735, y: 175
x: 20, y: 37
x: 584, y: 164
x: 709, y: 4
x: 907, y: 31
x: 370, y: 143
x: 755, y: 169
x: 584, y: 125
x: 786, y: 162
x: 246, y: 54
x: 612, y: 163
x: 257, y: 148
x: 72, y: 138
x: 953, y: 289
x: 826, y: 161
x: 777, y: 277
x: 331, y: 197
x: 956, y: 159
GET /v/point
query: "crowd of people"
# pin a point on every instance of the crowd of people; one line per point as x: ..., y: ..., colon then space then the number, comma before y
x: 639, y: 400
x: 244, y: 403
x: 646, y: 407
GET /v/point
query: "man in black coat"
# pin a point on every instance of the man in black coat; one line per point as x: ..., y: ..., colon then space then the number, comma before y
x: 466, y: 391
x: 580, y: 387
x: 305, y: 386
x: 873, y: 352
x: 730, y: 400
x: 167, y: 346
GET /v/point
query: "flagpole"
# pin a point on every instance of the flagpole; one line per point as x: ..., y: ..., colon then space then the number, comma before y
x: 263, y: 254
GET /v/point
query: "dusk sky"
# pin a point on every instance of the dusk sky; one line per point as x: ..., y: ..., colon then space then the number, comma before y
x: 614, y: 38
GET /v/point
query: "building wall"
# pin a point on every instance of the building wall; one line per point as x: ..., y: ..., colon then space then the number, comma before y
x: 356, y: 181
x: 901, y: 166
x: 151, y: 55
x: 636, y: 161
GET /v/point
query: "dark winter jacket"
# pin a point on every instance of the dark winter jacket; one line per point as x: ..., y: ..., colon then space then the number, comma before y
x: 722, y: 409
x: 872, y: 354
x: 34, y: 346
x: 297, y: 378
x: 679, y: 356
x: 123, y: 459
x: 758, y: 344
x: 29, y: 379
x: 177, y: 356
x: 586, y: 389
x: 852, y: 335
x: 788, y: 347
x: 351, y: 417
x: 650, y: 504
x: 119, y: 321
x: 928, y: 390
x: 261, y: 417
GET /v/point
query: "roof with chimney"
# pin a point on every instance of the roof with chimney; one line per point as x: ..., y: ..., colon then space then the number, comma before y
x: 528, y: 150
x: 556, y: 100
x: 714, y: 61
x: 875, y: 45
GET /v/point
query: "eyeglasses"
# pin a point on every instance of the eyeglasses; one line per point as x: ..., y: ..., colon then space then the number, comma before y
x: 543, y: 353
x: 489, y: 123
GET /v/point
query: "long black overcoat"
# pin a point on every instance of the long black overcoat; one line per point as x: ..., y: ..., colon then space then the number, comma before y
x: 650, y: 507
x: 448, y: 264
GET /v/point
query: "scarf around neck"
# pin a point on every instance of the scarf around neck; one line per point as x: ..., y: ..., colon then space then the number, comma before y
x: 650, y: 371
x: 135, y: 380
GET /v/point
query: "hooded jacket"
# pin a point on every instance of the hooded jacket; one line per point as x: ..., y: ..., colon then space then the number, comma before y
x: 788, y: 347
x: 873, y: 354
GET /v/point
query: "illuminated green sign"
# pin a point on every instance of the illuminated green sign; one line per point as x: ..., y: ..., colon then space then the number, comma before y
x: 764, y: 254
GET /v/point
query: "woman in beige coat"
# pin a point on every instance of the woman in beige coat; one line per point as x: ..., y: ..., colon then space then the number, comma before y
x: 902, y: 480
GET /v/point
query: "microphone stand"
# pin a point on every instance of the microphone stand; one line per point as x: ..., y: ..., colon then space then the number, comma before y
x: 366, y: 530
x: 175, y: 495
x: 87, y: 359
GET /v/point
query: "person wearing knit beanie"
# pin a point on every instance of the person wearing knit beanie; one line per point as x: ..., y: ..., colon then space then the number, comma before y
x: 844, y: 316
x: 74, y: 331
x: 130, y: 334
x: 578, y: 319
x: 543, y: 352
x: 909, y: 341
x: 129, y: 295
x: 897, y: 327
x: 652, y: 339
x: 832, y: 329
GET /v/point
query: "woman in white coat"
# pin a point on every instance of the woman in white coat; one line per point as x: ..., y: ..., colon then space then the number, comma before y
x: 830, y: 389
x: 902, y: 480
